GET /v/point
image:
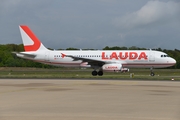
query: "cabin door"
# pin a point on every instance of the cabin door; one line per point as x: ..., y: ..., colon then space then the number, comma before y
x: 151, y: 56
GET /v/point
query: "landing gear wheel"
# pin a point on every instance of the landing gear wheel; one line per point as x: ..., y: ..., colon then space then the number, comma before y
x: 94, y: 73
x: 100, y: 73
x: 152, y: 74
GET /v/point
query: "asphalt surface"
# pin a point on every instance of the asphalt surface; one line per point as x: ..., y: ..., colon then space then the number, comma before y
x: 50, y: 99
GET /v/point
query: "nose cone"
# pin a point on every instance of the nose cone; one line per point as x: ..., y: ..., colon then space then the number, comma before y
x: 172, y: 61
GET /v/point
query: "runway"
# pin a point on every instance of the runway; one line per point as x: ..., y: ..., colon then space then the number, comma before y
x: 53, y: 99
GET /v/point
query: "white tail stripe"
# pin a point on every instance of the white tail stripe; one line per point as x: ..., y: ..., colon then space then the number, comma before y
x: 26, y: 39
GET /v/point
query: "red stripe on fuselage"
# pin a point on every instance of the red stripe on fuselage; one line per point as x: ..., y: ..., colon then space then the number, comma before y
x: 124, y: 65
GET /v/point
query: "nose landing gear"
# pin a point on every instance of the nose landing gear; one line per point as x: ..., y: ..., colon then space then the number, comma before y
x: 152, y: 73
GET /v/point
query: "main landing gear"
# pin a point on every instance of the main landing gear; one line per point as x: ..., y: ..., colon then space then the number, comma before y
x: 95, y: 73
x: 152, y: 73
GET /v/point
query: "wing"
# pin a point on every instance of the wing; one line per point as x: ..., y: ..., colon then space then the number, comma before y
x: 91, y: 62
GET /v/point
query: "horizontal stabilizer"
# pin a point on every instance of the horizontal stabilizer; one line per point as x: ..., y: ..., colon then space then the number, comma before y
x: 25, y: 55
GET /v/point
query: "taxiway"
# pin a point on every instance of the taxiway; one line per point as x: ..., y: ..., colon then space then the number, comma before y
x: 53, y: 99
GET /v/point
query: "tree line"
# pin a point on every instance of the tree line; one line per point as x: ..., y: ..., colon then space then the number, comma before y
x: 8, y: 59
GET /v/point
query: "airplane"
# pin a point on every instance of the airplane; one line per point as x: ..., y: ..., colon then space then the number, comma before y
x: 99, y: 60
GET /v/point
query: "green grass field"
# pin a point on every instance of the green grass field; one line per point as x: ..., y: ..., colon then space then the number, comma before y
x: 142, y: 74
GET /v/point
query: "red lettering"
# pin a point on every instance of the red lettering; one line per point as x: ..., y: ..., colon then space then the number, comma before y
x: 114, y: 55
x: 111, y: 67
x: 103, y: 56
x: 142, y: 55
x: 133, y: 55
x: 123, y: 57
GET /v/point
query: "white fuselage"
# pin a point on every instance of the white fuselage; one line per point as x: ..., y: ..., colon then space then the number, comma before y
x: 101, y: 60
x: 127, y: 58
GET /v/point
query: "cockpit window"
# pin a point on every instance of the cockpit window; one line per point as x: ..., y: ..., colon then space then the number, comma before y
x: 164, y: 55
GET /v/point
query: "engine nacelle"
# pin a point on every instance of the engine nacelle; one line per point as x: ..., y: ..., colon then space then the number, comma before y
x: 112, y: 67
x: 85, y: 64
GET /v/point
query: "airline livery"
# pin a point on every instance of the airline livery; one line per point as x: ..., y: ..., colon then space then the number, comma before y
x: 99, y: 60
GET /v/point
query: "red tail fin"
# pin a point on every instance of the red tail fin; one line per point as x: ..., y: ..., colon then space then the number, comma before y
x: 30, y: 41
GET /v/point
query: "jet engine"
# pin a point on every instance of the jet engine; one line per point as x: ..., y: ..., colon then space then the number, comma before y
x: 85, y: 64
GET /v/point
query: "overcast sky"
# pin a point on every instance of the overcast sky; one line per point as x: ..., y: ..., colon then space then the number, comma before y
x: 93, y: 23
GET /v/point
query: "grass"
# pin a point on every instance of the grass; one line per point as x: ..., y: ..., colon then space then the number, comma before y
x: 76, y: 73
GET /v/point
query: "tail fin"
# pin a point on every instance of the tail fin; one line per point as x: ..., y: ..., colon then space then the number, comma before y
x: 30, y: 41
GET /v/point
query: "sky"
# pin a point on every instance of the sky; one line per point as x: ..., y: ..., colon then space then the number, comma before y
x: 93, y: 24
